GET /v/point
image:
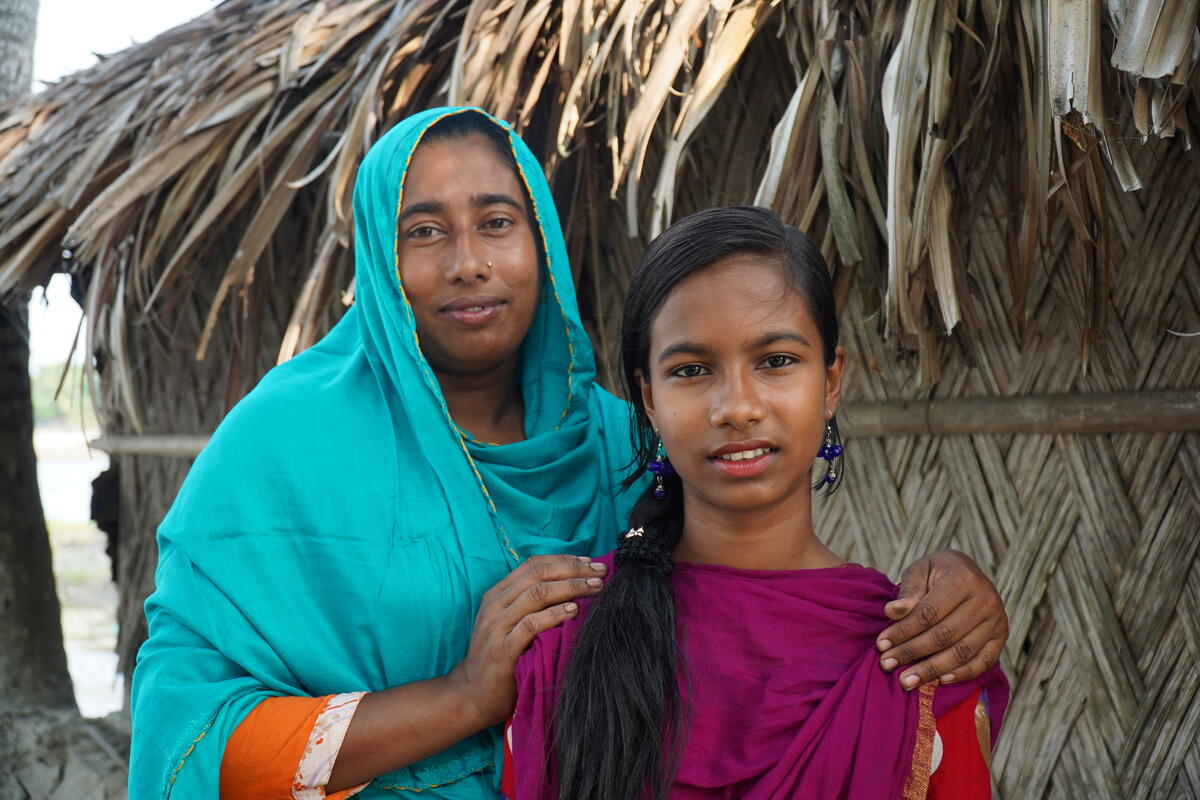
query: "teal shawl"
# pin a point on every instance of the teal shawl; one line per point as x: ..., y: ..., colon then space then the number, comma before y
x: 338, y: 532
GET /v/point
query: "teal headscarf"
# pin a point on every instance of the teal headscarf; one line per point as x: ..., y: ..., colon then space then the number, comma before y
x: 338, y: 532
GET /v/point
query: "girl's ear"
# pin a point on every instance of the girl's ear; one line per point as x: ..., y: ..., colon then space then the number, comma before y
x: 647, y: 397
x: 833, y: 380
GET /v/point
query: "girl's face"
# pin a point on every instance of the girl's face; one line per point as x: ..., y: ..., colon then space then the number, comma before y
x: 737, y: 386
x: 467, y: 256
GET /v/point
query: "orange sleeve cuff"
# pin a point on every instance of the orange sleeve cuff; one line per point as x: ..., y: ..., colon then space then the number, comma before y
x: 263, y: 754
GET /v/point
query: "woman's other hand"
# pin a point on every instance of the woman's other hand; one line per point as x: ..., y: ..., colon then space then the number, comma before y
x: 950, y: 624
x: 534, y: 597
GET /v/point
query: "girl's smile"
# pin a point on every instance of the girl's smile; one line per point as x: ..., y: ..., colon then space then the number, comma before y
x: 744, y: 459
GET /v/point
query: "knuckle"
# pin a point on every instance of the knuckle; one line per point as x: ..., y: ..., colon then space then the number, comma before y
x: 902, y: 630
x: 539, y: 591
x: 905, y: 654
x: 928, y: 615
x: 944, y: 636
x: 538, y: 567
x: 963, y: 652
x: 529, y: 625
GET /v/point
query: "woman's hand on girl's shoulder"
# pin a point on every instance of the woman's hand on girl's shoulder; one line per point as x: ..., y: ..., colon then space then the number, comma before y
x: 534, y: 597
x: 951, y: 624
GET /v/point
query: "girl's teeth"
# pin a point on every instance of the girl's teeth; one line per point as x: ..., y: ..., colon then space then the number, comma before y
x: 745, y: 454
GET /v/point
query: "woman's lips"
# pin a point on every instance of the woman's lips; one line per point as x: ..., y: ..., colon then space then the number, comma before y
x: 746, y: 468
x: 474, y: 313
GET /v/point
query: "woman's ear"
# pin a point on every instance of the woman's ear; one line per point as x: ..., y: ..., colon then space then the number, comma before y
x: 833, y: 380
x: 647, y: 397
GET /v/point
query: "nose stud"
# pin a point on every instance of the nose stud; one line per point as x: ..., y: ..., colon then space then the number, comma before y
x: 489, y: 265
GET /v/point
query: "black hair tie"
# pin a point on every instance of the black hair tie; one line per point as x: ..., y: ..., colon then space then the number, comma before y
x: 636, y: 546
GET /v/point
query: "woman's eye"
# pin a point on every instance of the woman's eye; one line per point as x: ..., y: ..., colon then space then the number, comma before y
x: 422, y: 232
x: 498, y: 224
x: 689, y: 371
x: 777, y: 361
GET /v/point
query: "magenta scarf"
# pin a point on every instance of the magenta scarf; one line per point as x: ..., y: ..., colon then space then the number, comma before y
x: 786, y: 697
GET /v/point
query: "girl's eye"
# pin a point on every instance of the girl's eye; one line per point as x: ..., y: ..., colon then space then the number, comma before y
x: 689, y: 371
x: 778, y: 361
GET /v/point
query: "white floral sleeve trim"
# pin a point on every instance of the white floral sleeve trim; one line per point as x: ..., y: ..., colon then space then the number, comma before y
x: 323, y: 746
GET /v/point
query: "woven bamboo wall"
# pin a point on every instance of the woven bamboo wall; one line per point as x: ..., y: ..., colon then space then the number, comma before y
x: 1092, y: 540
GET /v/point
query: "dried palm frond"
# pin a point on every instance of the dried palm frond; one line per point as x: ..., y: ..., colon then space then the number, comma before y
x: 185, y: 164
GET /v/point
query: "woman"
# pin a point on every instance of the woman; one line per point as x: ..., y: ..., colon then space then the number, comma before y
x: 376, y: 532
x: 731, y: 654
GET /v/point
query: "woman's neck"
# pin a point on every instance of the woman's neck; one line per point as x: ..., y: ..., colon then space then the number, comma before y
x: 489, y: 406
x: 778, y: 537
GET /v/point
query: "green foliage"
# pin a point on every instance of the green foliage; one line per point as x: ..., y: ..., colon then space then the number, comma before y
x: 72, y: 401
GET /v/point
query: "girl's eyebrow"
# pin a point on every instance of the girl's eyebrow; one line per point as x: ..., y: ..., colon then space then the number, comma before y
x: 692, y: 348
x: 777, y: 336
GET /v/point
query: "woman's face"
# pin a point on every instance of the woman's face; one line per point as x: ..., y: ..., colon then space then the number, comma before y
x: 467, y: 256
x: 738, y: 388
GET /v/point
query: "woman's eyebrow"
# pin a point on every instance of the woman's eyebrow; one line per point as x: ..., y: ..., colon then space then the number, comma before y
x: 426, y: 207
x: 478, y: 200
x: 492, y: 199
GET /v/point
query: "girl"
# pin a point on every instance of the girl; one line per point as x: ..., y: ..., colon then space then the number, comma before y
x: 731, y: 653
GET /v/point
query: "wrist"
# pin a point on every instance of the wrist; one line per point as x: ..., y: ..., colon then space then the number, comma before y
x: 462, y: 703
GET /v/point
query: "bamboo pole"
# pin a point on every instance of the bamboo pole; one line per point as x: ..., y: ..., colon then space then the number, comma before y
x: 167, y: 445
x: 1116, y: 412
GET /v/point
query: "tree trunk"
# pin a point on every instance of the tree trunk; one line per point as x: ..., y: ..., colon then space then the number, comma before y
x: 18, y: 22
x: 33, y: 664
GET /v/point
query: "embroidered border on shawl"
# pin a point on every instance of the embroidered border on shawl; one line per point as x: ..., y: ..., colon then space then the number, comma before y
x: 454, y: 779
x: 916, y: 786
x: 184, y: 758
x: 324, y: 743
x: 429, y: 377
x: 983, y: 730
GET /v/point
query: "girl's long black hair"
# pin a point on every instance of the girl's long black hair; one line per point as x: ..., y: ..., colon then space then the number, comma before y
x: 619, y: 725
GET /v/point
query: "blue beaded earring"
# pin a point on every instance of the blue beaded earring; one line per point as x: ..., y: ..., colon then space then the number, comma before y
x: 661, y: 465
x: 830, y: 452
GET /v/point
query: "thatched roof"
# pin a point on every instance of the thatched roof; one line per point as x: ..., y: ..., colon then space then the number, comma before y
x: 876, y: 127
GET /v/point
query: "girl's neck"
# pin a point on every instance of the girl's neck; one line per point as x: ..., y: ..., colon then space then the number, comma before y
x: 779, y: 537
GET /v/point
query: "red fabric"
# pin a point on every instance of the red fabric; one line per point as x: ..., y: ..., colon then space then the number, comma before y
x: 508, y: 776
x: 963, y: 773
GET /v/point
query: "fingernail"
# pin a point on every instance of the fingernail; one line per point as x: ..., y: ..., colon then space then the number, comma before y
x: 947, y: 678
x: 884, y: 644
x: 596, y: 565
x: 570, y: 608
x: 889, y: 664
x: 595, y: 582
x: 585, y: 559
x: 909, y: 681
